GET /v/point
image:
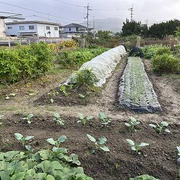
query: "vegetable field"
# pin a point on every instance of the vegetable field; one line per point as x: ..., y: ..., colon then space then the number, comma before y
x: 55, y: 129
x: 136, y: 91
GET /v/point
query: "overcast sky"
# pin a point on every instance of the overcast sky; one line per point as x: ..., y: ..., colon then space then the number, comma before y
x: 67, y: 11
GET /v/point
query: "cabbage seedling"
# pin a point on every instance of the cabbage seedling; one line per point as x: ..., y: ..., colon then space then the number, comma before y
x: 63, y: 89
x: 100, y: 144
x: 81, y: 96
x: 84, y: 119
x: 160, y: 127
x: 136, y: 147
x: 24, y: 140
x: 131, y: 125
x: 104, y: 118
x: 144, y: 177
x: 57, y: 143
x: 58, y: 119
x: 29, y: 118
x: 178, y: 160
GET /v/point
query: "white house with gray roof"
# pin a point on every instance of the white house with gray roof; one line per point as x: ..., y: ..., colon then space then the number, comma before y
x: 32, y: 28
x: 73, y: 30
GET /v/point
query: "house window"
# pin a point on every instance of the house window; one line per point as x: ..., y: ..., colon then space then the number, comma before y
x: 69, y: 29
x: 21, y: 28
x: 47, y: 27
x: 31, y: 27
x: 56, y: 28
x: 77, y: 28
x: 9, y: 27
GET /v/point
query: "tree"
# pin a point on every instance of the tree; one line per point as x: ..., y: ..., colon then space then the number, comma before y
x: 163, y: 29
x: 131, y: 28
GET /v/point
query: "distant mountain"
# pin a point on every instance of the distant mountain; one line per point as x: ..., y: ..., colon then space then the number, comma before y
x: 109, y: 24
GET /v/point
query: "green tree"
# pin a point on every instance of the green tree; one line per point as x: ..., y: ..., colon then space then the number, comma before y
x: 131, y: 28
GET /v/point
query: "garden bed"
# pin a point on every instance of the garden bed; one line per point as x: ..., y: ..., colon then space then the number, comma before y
x: 73, y: 97
x: 135, y: 90
x: 158, y: 159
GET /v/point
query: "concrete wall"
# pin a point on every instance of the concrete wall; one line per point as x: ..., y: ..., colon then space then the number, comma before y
x: 2, y: 29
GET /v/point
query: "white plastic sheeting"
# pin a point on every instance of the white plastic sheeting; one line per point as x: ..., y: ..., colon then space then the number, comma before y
x: 103, y: 65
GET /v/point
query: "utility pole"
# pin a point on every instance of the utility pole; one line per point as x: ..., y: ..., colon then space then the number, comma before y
x: 87, y: 16
x: 131, y: 12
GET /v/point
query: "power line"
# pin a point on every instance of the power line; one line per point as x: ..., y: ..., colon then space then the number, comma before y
x: 33, y: 10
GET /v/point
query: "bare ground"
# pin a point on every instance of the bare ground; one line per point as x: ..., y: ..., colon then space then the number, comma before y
x: 159, y: 159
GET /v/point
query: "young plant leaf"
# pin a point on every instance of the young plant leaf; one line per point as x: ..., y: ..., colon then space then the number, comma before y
x: 131, y: 142
x: 62, y: 139
x: 91, y: 138
x: 104, y: 148
x: 51, y: 141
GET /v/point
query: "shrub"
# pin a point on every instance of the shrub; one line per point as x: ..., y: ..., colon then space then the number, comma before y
x: 63, y: 44
x: 25, y: 62
x: 150, y: 51
x: 165, y: 63
x: 75, y: 58
x: 84, y: 78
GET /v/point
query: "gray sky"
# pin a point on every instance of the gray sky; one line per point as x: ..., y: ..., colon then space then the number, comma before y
x: 67, y: 11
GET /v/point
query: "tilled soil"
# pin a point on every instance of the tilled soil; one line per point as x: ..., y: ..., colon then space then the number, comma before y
x: 120, y: 163
x: 158, y: 159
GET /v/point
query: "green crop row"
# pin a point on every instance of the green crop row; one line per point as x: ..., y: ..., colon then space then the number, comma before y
x: 25, y: 62
x: 75, y: 58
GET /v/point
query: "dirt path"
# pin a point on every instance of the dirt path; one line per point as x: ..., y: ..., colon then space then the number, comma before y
x: 168, y: 97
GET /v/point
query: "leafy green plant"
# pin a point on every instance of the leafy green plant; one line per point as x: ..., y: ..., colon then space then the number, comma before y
x: 57, y: 118
x: 84, y: 78
x: 136, y: 147
x: 99, y: 144
x: 29, y: 118
x: 43, y: 165
x: 64, y: 90
x: 104, y: 118
x: 178, y: 148
x: 82, y: 96
x: 58, y: 142
x: 25, y: 62
x: 84, y: 119
x: 160, y: 127
x: 75, y: 58
x: 24, y: 140
x: 132, y: 124
x: 144, y: 177
x: 165, y: 63
x: 178, y: 160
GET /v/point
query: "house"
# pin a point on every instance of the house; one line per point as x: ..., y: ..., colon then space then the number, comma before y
x: 73, y: 30
x: 32, y: 28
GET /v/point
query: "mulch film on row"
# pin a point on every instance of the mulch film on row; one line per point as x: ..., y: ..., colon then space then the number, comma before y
x: 135, y: 90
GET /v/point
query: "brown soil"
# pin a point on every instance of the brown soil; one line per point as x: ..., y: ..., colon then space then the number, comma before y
x: 120, y: 163
x: 73, y: 97
x: 159, y: 159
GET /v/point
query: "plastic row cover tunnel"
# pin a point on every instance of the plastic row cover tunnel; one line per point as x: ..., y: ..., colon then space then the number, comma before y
x: 103, y: 65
